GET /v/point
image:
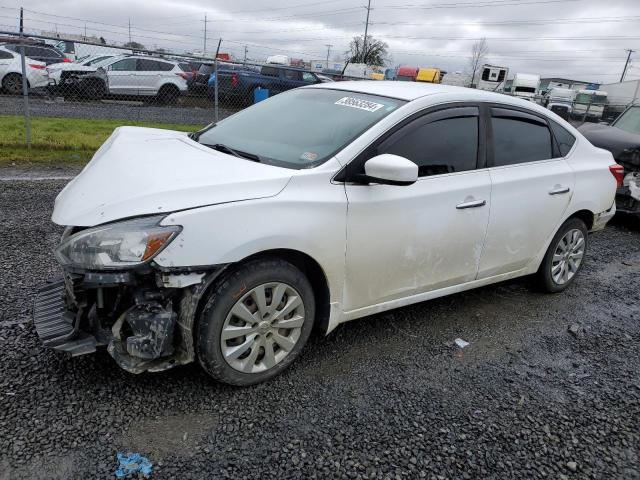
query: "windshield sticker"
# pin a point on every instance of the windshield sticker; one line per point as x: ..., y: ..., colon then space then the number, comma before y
x: 309, y: 156
x: 360, y: 104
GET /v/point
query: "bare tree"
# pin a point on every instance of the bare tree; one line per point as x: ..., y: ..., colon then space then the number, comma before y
x: 376, y: 53
x: 479, y: 51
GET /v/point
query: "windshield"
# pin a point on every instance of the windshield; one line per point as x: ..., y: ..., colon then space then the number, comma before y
x: 593, y: 99
x: 629, y: 121
x: 300, y: 128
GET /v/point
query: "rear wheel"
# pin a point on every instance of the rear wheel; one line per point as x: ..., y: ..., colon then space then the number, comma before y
x: 256, y: 322
x: 168, y: 94
x: 12, y: 83
x: 564, y: 257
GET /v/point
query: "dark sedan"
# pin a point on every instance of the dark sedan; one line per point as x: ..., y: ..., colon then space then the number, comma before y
x: 42, y: 53
x: 622, y: 139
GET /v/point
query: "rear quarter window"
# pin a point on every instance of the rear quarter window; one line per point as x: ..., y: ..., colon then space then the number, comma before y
x: 564, y: 139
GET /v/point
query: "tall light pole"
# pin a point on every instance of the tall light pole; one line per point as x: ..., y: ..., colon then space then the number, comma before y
x: 328, y: 45
x: 204, y: 47
x: 626, y: 64
x: 245, y: 54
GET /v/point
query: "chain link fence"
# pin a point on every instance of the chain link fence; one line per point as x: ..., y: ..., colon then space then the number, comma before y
x: 43, y: 76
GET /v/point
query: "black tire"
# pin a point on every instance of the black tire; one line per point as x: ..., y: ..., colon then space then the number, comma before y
x: 12, y: 83
x: 223, y: 298
x: 168, y: 95
x: 544, y: 275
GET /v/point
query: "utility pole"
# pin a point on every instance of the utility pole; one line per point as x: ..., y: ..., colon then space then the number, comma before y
x: 626, y: 64
x: 366, y: 29
x: 204, y: 47
x: 328, y: 45
x: 85, y: 31
x: 21, y: 20
x: 129, y: 31
x: 246, y: 49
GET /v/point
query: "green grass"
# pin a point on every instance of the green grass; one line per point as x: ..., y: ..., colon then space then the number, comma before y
x: 59, y: 141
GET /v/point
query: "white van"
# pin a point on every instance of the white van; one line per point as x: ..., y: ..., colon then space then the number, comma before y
x: 75, y: 50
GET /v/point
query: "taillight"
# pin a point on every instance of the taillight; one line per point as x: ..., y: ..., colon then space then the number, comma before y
x: 183, y: 75
x: 39, y: 67
x: 618, y: 173
x: 67, y: 60
x: 234, y: 79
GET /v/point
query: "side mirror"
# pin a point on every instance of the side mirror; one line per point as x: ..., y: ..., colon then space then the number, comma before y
x: 388, y: 169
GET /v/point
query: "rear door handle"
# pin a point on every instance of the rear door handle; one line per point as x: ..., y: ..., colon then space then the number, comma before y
x: 472, y: 204
x: 560, y: 191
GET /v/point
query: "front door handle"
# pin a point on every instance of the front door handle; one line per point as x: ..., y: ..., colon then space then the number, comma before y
x: 472, y: 204
x: 559, y: 191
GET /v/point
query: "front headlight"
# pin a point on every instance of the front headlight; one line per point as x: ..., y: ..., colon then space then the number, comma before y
x: 116, y: 246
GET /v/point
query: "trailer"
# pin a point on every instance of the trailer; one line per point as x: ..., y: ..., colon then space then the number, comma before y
x: 492, y: 78
x: 620, y: 95
x: 525, y: 85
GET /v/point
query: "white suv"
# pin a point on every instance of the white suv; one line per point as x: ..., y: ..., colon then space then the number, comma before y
x: 127, y: 76
x: 11, y: 72
x: 315, y: 207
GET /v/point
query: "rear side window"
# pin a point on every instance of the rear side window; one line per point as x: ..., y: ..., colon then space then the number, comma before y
x: 5, y: 55
x: 292, y: 75
x: 270, y: 71
x: 519, y: 138
x: 147, y: 65
x: 438, y: 145
x: 564, y: 139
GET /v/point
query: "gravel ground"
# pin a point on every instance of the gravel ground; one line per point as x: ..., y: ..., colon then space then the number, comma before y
x: 389, y: 396
x: 189, y: 111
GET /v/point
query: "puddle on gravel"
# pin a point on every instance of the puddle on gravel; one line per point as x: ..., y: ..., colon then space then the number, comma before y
x: 168, y: 436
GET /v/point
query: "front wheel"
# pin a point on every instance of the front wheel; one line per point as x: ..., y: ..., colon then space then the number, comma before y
x: 256, y: 322
x: 564, y: 257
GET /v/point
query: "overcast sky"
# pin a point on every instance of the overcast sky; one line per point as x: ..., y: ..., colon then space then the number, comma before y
x: 580, y: 39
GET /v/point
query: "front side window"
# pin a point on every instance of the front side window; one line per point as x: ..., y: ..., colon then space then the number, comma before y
x: 125, y: 65
x: 519, y: 138
x: 300, y: 128
x: 438, y: 145
x: 629, y: 121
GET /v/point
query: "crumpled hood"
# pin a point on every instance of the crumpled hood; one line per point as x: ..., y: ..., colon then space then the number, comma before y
x: 54, y: 67
x: 610, y: 138
x: 141, y: 171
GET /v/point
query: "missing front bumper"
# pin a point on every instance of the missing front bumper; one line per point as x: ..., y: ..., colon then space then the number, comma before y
x: 145, y: 325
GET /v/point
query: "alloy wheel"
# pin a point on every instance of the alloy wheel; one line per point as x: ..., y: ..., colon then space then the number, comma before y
x: 568, y: 256
x: 262, y: 327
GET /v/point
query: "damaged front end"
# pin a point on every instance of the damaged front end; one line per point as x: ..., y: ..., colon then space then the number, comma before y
x: 112, y: 294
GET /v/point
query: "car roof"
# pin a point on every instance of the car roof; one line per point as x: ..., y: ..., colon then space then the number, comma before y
x: 413, y: 90
x: 410, y: 91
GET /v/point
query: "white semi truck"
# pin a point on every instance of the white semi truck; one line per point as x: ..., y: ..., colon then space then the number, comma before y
x: 525, y: 85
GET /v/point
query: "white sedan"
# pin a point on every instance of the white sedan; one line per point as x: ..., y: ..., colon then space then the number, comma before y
x: 321, y: 205
x: 11, y: 72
